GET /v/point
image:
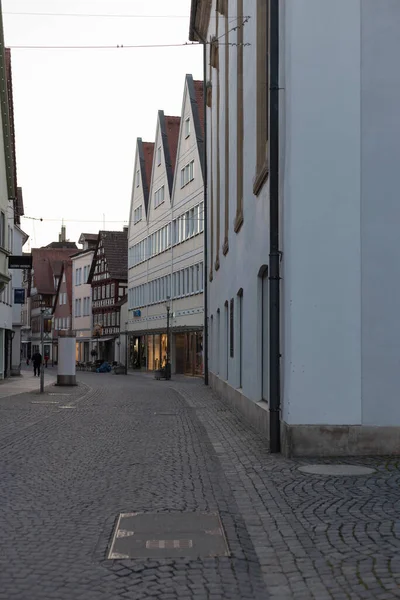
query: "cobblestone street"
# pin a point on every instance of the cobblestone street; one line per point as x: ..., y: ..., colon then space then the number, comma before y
x: 72, y: 460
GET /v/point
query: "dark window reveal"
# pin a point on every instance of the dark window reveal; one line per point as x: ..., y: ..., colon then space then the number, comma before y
x: 231, y: 330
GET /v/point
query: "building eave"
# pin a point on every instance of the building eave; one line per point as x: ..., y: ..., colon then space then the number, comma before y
x: 199, y: 20
x: 5, y: 116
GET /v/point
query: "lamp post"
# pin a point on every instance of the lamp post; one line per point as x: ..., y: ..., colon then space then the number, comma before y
x: 168, y: 363
x: 42, y: 312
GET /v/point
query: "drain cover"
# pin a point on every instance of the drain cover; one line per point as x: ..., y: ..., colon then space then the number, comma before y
x: 146, y: 535
x: 336, y: 470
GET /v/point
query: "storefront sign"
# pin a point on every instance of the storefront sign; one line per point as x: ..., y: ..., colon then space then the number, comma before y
x: 19, y: 296
x: 137, y: 313
x: 20, y: 262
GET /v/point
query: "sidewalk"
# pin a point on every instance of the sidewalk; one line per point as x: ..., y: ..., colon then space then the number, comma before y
x: 25, y: 383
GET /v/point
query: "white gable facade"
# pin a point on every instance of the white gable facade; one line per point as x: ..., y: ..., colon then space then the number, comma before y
x: 166, y: 249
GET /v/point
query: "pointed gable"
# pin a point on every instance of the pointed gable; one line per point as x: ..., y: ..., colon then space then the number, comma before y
x: 115, y: 244
x: 196, y: 94
x: 169, y: 128
x: 146, y: 153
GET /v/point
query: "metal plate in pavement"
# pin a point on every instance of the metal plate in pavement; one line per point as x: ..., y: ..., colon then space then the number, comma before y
x: 162, y: 535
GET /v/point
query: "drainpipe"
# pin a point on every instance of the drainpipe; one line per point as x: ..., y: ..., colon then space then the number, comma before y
x: 205, y: 270
x: 274, y: 252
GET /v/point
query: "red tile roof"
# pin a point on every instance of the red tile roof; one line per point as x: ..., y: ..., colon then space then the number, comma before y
x: 47, y: 264
x: 172, y: 125
x: 199, y: 90
x: 115, y: 245
x: 148, y: 151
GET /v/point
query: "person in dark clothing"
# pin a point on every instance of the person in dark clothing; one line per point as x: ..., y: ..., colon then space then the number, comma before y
x: 37, y: 361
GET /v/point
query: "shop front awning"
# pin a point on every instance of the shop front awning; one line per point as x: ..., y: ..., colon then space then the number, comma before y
x: 106, y: 339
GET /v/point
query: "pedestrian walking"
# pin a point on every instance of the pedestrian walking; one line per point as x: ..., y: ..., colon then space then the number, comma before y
x: 37, y: 361
x: 46, y: 360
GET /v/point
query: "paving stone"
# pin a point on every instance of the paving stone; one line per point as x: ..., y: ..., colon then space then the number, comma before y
x: 67, y: 475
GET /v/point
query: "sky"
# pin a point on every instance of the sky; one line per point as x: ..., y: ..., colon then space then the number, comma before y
x: 78, y: 112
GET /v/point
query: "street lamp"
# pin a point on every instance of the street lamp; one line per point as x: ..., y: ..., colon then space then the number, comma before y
x: 43, y: 311
x: 168, y: 363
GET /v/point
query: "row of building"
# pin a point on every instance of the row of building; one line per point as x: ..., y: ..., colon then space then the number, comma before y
x: 285, y: 160
x: 12, y: 237
x: 116, y: 290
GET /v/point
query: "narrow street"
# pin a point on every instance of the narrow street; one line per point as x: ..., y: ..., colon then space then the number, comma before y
x: 74, y: 459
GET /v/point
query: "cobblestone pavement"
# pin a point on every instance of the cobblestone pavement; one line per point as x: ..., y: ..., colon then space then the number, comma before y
x: 133, y: 444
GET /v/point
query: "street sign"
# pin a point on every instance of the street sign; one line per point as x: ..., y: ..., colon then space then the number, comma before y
x: 20, y: 262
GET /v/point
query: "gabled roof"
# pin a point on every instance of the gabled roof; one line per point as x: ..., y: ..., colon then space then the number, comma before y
x: 47, y: 264
x: 115, y: 245
x: 146, y: 153
x: 66, y: 267
x: 196, y: 94
x: 63, y: 245
x: 88, y: 237
x: 11, y: 124
x: 169, y: 129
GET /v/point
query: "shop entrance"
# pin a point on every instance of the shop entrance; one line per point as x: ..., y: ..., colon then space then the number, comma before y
x: 189, y: 353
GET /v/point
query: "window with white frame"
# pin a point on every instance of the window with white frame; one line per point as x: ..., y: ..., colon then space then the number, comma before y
x: 137, y: 215
x: 2, y: 230
x: 137, y: 178
x: 158, y: 197
x: 187, y: 173
x: 187, y: 127
x: 159, y: 156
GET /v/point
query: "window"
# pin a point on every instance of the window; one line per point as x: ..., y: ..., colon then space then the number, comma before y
x: 2, y: 230
x: 10, y: 238
x: 76, y: 308
x: 113, y: 319
x: 187, y: 127
x: 107, y: 290
x: 137, y: 178
x: 187, y: 174
x: 95, y: 293
x: 159, y: 197
x: 231, y: 323
x: 159, y: 155
x: 137, y: 215
x: 191, y: 282
x: 103, y: 291
x: 113, y: 290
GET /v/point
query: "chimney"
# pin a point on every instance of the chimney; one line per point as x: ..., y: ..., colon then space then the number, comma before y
x: 125, y: 229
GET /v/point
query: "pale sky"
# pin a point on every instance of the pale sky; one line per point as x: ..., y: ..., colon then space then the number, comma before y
x: 79, y: 112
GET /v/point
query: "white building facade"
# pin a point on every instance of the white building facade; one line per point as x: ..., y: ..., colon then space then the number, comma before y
x: 339, y: 138
x: 166, y: 242
x: 82, y: 298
